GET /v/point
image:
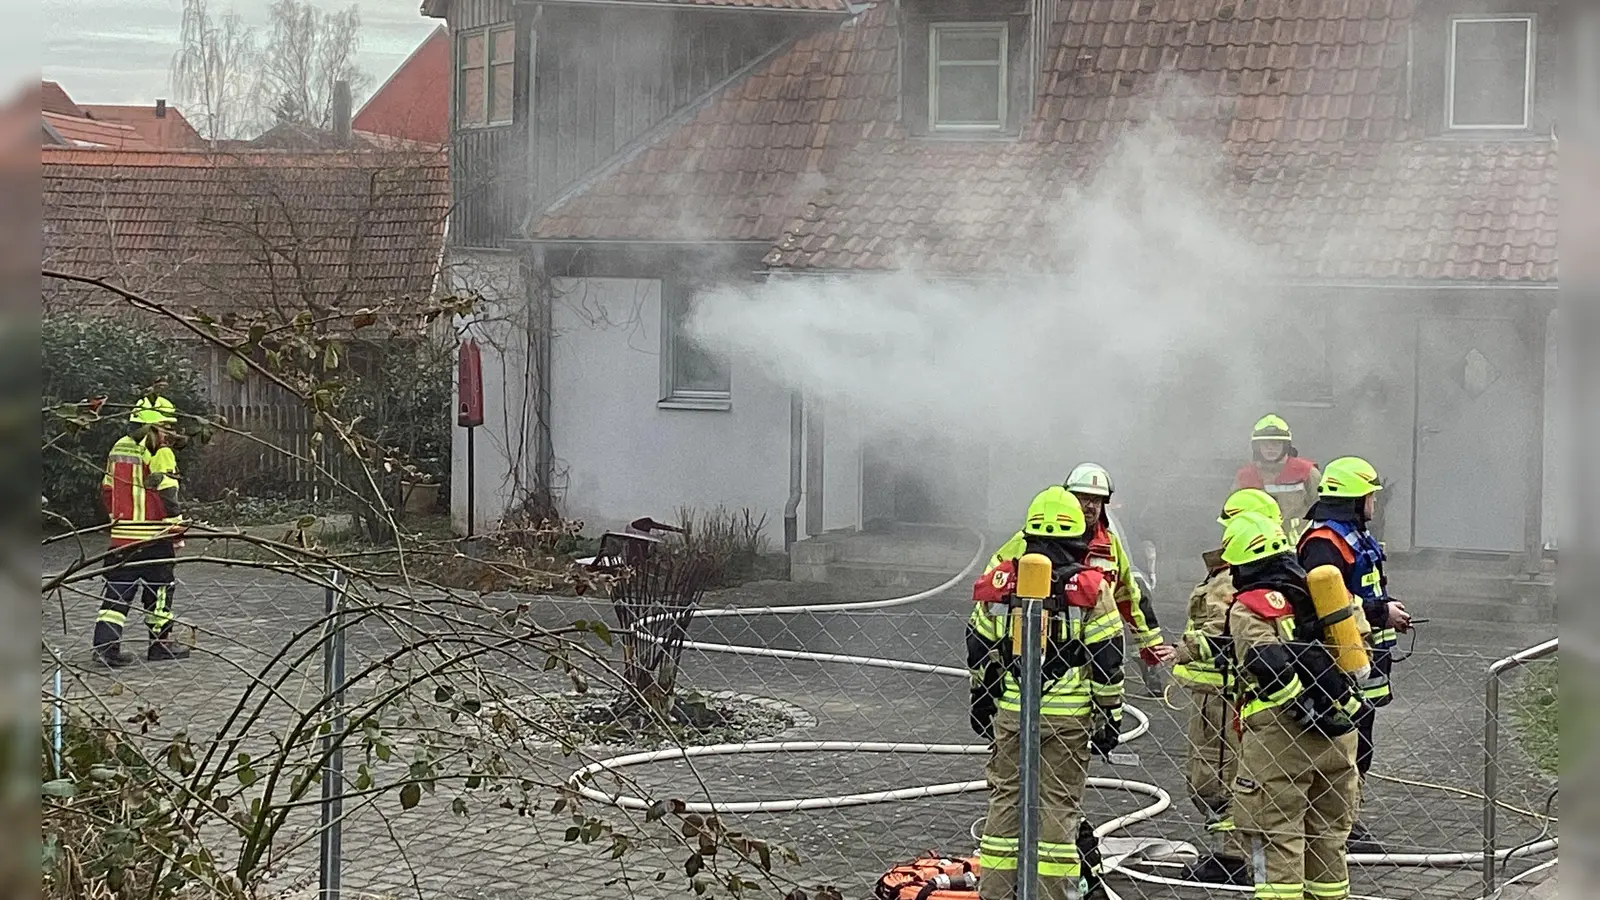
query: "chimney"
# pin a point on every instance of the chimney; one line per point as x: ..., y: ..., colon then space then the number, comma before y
x: 341, y: 111
x: 161, y: 109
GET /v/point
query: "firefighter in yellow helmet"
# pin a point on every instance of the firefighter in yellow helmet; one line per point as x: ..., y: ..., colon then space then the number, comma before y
x: 1198, y: 667
x: 1296, y: 788
x: 1337, y: 535
x: 140, y: 493
x: 1276, y: 467
x: 1081, y: 705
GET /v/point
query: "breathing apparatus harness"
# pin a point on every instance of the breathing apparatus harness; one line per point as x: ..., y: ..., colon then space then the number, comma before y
x: 1315, y: 708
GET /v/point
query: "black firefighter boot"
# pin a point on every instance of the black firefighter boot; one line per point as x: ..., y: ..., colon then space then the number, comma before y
x: 1362, y: 841
x: 164, y: 648
x: 108, y: 647
x: 1217, y: 869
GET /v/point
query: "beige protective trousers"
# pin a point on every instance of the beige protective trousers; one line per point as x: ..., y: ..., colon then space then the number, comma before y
x: 1063, y: 771
x: 1294, y: 800
x: 1212, y: 765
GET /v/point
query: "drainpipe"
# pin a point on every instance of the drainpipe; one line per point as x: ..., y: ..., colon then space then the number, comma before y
x: 814, y: 440
x: 791, y: 509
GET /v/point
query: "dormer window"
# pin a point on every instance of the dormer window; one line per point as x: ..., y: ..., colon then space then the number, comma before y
x: 1489, y: 84
x: 967, y: 63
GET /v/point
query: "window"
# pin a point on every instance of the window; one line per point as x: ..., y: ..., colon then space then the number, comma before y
x: 691, y: 378
x: 967, y: 76
x: 1490, y: 82
x: 486, y: 61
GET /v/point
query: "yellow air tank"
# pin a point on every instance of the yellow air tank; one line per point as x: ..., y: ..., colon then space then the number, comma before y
x: 1033, y: 583
x: 1344, y: 636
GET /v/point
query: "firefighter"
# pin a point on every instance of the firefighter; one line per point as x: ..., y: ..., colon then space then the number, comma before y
x: 140, y: 491
x: 1296, y: 788
x: 1276, y: 467
x: 1199, y: 667
x: 1336, y: 535
x: 1091, y: 484
x: 152, y: 399
x: 1080, y: 709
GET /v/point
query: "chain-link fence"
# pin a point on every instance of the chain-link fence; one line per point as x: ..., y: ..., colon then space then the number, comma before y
x: 809, y: 748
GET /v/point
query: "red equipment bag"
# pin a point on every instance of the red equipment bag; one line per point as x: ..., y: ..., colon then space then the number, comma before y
x: 930, y: 877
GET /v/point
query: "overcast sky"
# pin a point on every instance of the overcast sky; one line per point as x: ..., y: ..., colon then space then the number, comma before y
x: 117, y: 51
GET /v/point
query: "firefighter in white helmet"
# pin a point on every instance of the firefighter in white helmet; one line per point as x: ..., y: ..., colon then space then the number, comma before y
x: 1092, y: 485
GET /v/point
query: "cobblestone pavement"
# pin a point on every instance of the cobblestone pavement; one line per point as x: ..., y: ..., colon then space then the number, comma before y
x: 1431, y: 734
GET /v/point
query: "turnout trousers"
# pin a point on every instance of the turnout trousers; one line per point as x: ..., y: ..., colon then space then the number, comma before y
x: 1063, y: 771
x: 145, y: 572
x: 1212, y: 765
x: 1294, y: 800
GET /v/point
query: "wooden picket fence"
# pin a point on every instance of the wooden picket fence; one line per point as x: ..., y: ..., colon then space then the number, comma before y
x: 280, y: 453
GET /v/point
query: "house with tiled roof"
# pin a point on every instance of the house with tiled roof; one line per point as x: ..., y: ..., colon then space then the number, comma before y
x: 413, y: 103
x: 262, y: 235
x: 909, y: 262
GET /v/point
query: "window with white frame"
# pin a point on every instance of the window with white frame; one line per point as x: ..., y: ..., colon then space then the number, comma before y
x: 485, y: 76
x: 690, y: 376
x: 967, y: 76
x: 1490, y: 81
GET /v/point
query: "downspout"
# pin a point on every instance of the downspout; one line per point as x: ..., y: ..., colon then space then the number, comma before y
x: 791, y: 509
x: 815, y: 418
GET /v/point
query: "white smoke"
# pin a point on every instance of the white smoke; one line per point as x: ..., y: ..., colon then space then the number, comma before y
x: 1148, y: 317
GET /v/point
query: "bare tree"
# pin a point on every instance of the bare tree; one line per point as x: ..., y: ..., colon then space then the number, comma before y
x: 216, y: 71
x: 309, y: 51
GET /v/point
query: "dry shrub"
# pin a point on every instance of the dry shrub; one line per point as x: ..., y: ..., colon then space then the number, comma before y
x: 735, y: 540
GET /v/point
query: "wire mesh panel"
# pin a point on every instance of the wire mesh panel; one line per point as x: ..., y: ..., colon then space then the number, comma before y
x: 830, y: 743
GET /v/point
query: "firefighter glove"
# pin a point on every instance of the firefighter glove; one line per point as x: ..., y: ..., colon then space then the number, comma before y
x: 980, y: 712
x: 1108, y: 730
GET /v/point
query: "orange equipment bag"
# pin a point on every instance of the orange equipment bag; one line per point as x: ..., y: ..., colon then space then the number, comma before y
x: 930, y: 877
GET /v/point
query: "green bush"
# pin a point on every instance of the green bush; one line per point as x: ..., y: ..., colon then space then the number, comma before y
x: 403, y: 395
x: 111, y: 358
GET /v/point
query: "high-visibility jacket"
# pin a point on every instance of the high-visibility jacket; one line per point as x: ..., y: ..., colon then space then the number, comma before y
x: 1268, y: 660
x: 1204, y: 640
x: 1089, y: 634
x: 1106, y: 554
x: 131, y: 491
x: 1292, y: 482
x: 1364, y: 578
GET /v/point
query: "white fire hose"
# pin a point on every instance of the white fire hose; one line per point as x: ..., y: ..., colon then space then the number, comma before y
x: 1125, y: 851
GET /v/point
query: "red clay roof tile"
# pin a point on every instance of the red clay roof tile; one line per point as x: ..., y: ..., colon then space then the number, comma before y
x: 79, y: 132
x: 225, y: 232
x: 1305, y: 99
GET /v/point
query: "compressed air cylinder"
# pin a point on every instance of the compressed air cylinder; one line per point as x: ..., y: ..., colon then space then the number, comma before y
x: 1033, y: 583
x: 1343, y: 637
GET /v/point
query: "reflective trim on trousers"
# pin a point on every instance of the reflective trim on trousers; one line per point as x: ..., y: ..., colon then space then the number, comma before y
x: 110, y: 615
x: 1057, y: 860
x: 1328, y: 890
x: 997, y: 854
x: 1279, y: 892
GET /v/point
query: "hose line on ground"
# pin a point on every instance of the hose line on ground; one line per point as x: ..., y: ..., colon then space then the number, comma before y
x: 1139, y: 849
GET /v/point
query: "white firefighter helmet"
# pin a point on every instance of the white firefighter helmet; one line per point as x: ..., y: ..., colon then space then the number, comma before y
x: 1090, y: 479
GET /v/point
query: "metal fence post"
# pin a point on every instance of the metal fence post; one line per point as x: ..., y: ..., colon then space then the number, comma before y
x: 333, y: 646
x: 1491, y: 749
x: 1032, y: 690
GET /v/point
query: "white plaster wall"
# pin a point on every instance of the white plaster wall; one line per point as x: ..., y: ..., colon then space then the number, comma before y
x: 504, y: 449
x: 618, y: 455
x: 841, y: 470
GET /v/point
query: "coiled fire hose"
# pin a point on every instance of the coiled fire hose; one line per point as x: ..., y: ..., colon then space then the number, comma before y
x: 1130, y: 852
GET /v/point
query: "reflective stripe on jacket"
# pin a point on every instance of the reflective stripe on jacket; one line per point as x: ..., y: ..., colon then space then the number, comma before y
x: 1077, y: 691
x: 131, y: 492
